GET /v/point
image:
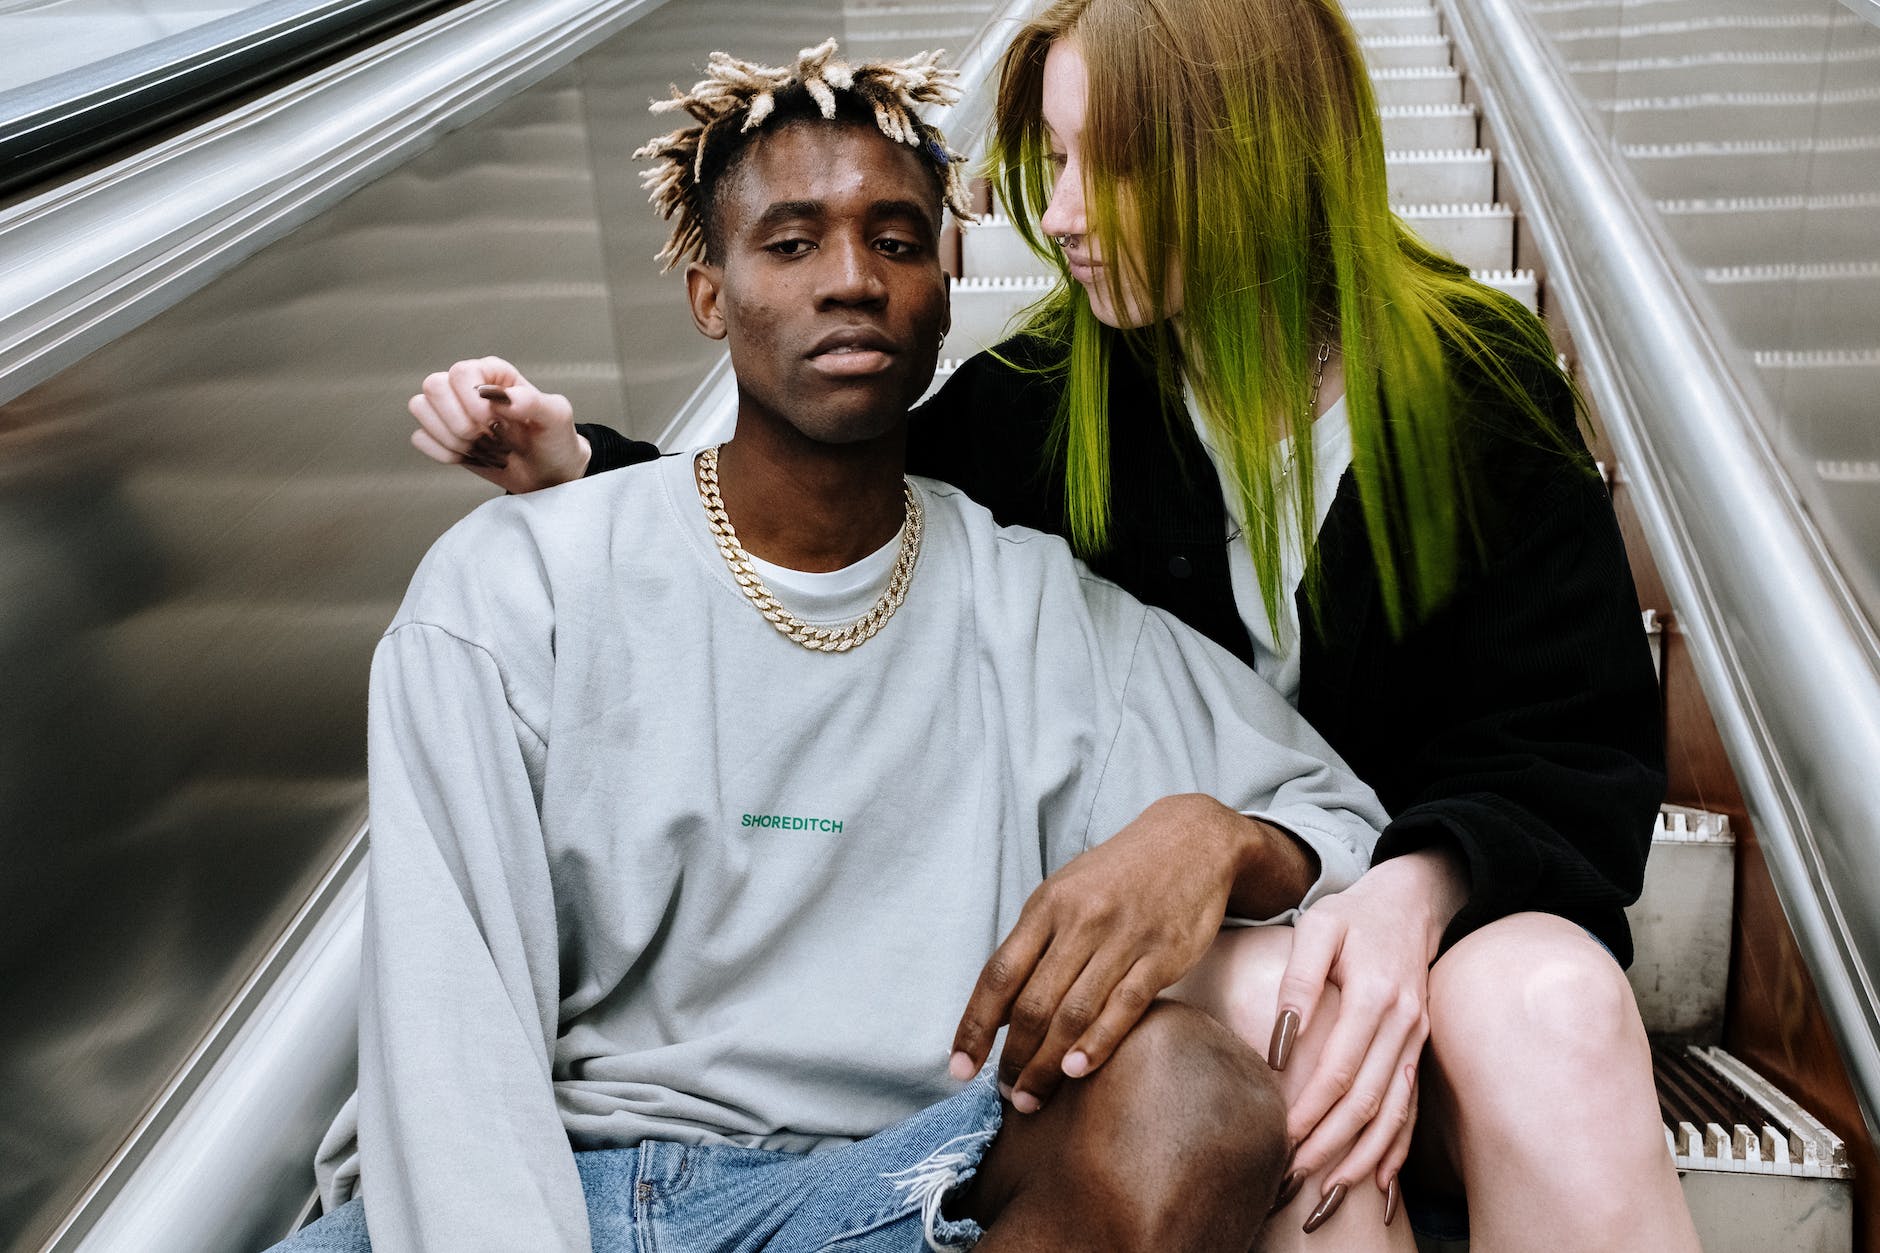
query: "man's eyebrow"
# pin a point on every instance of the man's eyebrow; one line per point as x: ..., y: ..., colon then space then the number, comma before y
x: 795, y: 210
x: 902, y: 209
x: 788, y: 211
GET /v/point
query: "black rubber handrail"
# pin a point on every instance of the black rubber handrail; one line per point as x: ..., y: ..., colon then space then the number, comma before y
x: 58, y: 122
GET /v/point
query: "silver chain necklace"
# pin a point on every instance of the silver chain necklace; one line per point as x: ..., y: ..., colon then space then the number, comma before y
x: 1312, y: 405
x: 818, y: 639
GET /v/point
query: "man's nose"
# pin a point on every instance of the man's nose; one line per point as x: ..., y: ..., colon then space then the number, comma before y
x: 851, y: 273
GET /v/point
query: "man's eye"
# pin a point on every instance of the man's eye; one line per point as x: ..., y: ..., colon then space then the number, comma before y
x: 789, y: 247
x: 897, y: 247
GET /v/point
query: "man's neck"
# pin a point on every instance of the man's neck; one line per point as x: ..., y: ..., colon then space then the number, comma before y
x: 809, y: 506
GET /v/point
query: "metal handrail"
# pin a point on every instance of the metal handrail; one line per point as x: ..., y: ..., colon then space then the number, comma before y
x: 1787, y: 661
x: 156, y: 227
x: 1869, y: 9
x: 57, y: 122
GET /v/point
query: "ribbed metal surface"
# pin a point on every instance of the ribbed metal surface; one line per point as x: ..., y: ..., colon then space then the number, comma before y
x: 1719, y: 1116
x: 1755, y: 129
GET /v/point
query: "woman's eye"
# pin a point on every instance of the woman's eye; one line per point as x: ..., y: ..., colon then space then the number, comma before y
x: 1057, y: 160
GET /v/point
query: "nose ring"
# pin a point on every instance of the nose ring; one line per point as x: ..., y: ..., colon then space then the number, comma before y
x: 1063, y: 241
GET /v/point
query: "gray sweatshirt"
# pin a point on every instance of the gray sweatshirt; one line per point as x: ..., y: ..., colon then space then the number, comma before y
x: 642, y: 868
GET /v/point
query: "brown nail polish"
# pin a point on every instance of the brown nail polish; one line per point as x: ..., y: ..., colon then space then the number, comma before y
x: 1327, y: 1207
x: 1288, y: 1189
x: 493, y: 393
x: 1279, y: 1048
x: 1390, y: 1202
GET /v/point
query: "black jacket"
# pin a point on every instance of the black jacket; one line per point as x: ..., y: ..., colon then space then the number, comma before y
x: 1521, y: 721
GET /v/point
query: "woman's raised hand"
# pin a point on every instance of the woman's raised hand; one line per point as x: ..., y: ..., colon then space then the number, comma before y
x: 485, y: 416
x: 1375, y: 942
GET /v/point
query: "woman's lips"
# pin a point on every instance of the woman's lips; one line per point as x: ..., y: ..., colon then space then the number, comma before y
x: 1084, y: 271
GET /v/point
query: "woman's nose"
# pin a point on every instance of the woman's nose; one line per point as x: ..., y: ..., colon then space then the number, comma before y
x: 1064, y: 212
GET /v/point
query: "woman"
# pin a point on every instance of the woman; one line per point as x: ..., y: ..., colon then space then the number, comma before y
x: 1249, y: 348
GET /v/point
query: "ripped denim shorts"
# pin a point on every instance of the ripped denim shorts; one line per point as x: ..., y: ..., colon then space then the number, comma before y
x: 879, y: 1195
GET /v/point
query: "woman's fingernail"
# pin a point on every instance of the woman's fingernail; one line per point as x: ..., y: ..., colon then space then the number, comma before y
x: 1076, y: 1064
x: 960, y: 1066
x: 1288, y: 1189
x: 1285, y: 1029
x: 1025, y: 1102
x: 1327, y: 1207
x: 1390, y: 1202
x: 491, y: 392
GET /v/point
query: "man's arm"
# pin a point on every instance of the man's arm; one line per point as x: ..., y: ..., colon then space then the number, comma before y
x: 1128, y: 917
x: 461, y: 1144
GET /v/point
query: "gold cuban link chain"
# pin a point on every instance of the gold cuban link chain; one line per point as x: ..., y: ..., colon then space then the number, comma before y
x: 817, y: 639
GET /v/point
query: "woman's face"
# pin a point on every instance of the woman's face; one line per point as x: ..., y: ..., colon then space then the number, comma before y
x: 1066, y: 91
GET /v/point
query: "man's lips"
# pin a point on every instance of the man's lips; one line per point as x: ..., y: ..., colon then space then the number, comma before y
x: 852, y: 351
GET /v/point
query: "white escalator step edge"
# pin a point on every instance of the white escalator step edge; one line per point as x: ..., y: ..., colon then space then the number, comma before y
x: 1683, y: 824
x: 1811, y: 1150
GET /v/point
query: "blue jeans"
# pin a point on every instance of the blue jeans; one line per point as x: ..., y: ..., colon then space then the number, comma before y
x: 879, y: 1195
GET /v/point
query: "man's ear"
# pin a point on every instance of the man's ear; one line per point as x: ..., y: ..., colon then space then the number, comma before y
x: 703, y: 283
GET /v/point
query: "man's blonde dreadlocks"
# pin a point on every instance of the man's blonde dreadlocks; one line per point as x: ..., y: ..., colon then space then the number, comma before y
x: 734, y: 90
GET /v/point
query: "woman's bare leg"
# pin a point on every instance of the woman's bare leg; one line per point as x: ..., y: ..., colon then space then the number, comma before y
x: 1238, y: 983
x: 1538, y: 1083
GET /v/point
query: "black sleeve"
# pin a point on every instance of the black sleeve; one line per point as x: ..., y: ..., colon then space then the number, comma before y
x: 986, y: 431
x: 1531, y: 734
x: 608, y: 449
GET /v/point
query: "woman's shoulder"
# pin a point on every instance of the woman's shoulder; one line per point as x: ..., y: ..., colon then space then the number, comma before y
x: 994, y: 410
x: 1517, y: 408
x: 1021, y: 364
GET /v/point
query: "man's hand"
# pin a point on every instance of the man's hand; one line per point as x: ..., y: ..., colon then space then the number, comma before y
x: 1099, y: 940
x: 512, y: 435
x: 1375, y: 941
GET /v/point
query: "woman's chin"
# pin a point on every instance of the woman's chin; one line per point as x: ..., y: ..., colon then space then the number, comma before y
x: 1129, y: 318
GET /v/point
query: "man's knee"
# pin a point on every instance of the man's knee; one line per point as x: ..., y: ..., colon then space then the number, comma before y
x: 1533, y: 989
x: 1189, y: 1127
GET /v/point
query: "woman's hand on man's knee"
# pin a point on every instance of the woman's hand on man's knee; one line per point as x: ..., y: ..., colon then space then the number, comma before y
x: 1374, y: 942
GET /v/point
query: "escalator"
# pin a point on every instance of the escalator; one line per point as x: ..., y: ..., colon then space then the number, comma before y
x: 208, y: 511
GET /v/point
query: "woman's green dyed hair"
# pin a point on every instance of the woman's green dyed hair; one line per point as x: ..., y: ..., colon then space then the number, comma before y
x: 1238, y: 142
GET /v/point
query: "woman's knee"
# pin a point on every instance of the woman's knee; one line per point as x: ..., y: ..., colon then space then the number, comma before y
x: 1236, y: 982
x: 1533, y: 986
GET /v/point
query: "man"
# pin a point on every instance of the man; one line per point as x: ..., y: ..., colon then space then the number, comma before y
x: 702, y: 793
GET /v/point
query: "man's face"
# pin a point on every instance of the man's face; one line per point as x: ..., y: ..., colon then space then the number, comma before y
x: 828, y: 285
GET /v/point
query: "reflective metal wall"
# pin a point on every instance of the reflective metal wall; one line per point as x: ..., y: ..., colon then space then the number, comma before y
x: 1753, y: 127
x: 205, y: 526
x: 47, y: 37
